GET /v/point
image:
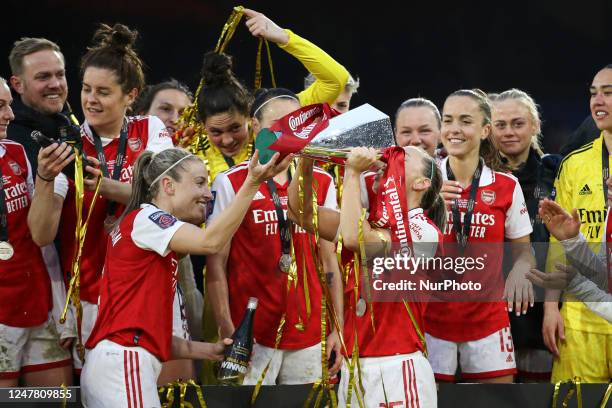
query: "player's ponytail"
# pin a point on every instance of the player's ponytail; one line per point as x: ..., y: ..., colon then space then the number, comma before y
x: 432, y: 201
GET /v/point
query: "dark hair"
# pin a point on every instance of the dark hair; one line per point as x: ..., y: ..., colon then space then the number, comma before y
x: 148, y: 167
x: 432, y: 201
x: 417, y: 103
x: 263, y: 95
x: 26, y: 46
x: 222, y: 91
x: 145, y: 99
x: 488, y: 150
x: 113, y: 50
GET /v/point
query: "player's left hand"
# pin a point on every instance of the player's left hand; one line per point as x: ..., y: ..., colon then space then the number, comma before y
x: 92, y: 173
x: 518, y: 292
x: 333, y: 344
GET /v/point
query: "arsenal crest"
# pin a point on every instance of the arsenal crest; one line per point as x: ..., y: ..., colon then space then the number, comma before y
x: 487, y: 197
x: 15, y: 167
x: 134, y: 143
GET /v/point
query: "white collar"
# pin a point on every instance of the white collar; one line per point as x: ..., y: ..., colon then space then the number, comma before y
x: 414, y: 212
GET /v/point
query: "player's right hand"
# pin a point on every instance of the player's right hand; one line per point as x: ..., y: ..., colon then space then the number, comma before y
x: 53, y: 158
x: 553, y: 328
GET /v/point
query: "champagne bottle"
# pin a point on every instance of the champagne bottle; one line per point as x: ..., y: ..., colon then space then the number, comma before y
x: 237, y: 355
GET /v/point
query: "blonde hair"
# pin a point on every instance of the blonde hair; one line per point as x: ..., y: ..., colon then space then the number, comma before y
x: 527, y: 101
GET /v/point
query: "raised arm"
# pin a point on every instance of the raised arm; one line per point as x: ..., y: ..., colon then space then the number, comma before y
x: 331, y: 76
x: 190, y: 239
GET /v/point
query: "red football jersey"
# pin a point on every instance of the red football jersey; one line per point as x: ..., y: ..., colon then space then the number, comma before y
x: 144, y: 133
x: 138, y: 283
x: 499, y: 213
x: 252, y: 265
x: 394, y: 332
x: 25, y: 287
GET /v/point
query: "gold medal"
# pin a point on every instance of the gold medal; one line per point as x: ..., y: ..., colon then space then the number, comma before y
x: 361, y: 307
x: 6, y: 251
x: 284, y: 263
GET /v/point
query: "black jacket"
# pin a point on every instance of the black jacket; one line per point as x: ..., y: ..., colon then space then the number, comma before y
x: 536, y: 177
x: 28, y: 120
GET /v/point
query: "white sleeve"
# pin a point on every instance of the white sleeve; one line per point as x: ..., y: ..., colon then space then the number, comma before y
x: 589, y: 264
x: 223, y: 194
x: 331, y: 198
x: 153, y: 229
x: 60, y: 185
x: 517, y: 218
x: 424, y: 239
x: 596, y: 299
x: 159, y: 139
x: 365, y: 201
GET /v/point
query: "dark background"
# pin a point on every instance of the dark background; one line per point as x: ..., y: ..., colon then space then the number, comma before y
x: 551, y: 49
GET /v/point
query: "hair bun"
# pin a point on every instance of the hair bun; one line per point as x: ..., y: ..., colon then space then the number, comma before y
x: 118, y: 37
x: 216, y: 68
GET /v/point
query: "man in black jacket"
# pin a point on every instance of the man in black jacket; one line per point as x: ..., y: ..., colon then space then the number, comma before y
x: 39, y: 77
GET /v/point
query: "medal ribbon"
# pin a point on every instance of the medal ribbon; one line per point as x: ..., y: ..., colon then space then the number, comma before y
x: 74, y: 288
x: 119, y: 160
x: 463, y: 232
x: 283, y: 222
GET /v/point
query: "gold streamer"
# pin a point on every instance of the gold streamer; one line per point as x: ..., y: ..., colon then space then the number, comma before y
x: 182, y: 386
x: 606, y: 397
x: 257, y: 84
x: 574, y: 388
x: 198, y: 392
x: 382, y: 381
x: 417, y: 328
x: 312, y: 392
x: 306, y: 290
x: 339, y: 184
x: 258, y: 74
x: 80, y: 232
x: 365, y: 267
x: 169, y: 389
x: 189, y: 119
x: 229, y: 28
x: 64, y: 399
x: 279, y: 333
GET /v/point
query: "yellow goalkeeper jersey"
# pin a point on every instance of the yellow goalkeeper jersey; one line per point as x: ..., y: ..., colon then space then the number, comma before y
x: 579, y: 184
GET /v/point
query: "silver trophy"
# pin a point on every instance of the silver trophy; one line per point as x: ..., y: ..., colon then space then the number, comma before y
x: 363, y: 126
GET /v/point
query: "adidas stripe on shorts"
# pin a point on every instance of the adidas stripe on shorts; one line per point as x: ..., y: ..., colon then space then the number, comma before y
x: 117, y: 376
x: 403, y: 380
